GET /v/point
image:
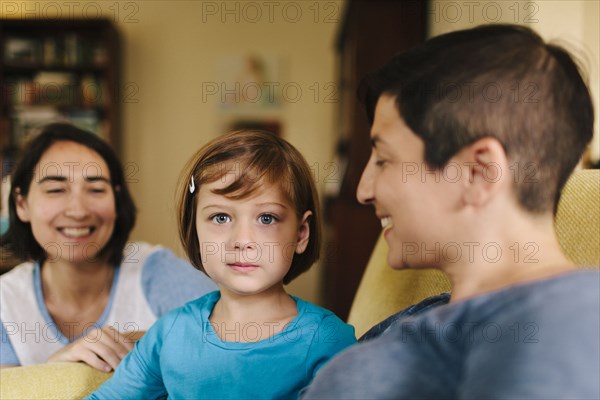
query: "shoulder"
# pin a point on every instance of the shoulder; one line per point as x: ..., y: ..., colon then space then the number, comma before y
x: 563, y: 296
x: 312, y: 313
x: 162, y: 262
x: 169, y: 281
x: 327, y: 328
x: 416, y: 309
x: 16, y: 283
x: 544, y: 319
x: 191, y: 316
x: 366, y: 370
x: 141, y: 252
x: 21, y: 271
x: 199, y: 308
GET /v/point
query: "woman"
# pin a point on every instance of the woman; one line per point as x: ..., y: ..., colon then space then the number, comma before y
x: 84, y: 293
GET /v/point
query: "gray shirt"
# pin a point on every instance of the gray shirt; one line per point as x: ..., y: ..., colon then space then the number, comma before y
x: 537, y: 340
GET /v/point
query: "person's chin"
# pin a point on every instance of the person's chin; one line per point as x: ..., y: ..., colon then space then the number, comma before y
x: 398, y: 261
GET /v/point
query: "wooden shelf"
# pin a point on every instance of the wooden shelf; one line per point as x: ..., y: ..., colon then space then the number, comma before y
x: 71, y: 66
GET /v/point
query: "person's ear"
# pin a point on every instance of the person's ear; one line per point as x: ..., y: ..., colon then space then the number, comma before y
x: 303, y: 232
x: 22, y: 207
x: 487, y: 171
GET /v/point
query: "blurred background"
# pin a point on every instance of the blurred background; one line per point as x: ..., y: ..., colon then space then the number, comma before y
x: 158, y: 79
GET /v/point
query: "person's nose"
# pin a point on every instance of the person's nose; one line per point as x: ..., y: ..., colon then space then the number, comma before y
x: 364, y: 191
x: 241, y: 236
x: 76, y: 206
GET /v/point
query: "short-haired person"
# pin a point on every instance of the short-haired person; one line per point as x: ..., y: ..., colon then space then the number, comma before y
x: 83, y: 293
x: 522, y: 321
x: 248, y: 215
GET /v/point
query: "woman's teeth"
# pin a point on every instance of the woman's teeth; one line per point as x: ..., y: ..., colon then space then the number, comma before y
x: 76, y: 232
x: 386, y: 222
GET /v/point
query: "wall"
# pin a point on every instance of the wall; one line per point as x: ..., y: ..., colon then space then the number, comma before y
x: 170, y: 50
x: 171, y: 55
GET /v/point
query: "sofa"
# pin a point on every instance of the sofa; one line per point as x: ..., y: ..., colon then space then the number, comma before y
x: 382, y: 292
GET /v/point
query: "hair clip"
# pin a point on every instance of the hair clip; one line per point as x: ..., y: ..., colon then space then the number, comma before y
x: 192, y: 186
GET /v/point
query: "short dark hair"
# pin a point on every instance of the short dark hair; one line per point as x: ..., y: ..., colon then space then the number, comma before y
x: 500, y: 81
x: 257, y: 157
x: 19, y: 241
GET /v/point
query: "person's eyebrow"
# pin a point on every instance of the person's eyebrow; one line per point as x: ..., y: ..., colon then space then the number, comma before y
x: 97, y: 179
x: 273, y: 203
x: 219, y: 206
x: 57, y: 178
x: 53, y: 178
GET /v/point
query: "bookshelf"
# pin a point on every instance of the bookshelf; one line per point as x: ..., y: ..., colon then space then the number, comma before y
x: 58, y: 70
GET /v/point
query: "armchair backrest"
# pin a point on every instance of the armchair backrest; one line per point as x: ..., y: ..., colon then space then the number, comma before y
x: 383, y: 291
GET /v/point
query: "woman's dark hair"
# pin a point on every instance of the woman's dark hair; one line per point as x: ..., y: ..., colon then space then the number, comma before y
x: 18, y: 242
x: 499, y: 81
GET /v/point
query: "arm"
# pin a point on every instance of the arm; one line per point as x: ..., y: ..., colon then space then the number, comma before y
x: 102, y: 349
x: 139, y: 374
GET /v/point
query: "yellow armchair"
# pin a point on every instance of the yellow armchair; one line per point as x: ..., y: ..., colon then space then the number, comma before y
x: 383, y: 291
x: 62, y: 381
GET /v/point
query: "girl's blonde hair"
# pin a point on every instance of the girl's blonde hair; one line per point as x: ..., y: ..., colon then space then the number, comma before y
x: 256, y: 158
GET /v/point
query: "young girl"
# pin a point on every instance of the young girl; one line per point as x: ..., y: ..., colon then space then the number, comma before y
x: 249, y: 217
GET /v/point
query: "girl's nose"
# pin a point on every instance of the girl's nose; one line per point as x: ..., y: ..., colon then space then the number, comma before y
x: 241, y: 236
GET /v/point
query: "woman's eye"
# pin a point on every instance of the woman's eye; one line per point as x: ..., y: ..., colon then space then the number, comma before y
x: 267, y: 219
x: 220, y: 218
x: 379, y: 163
x: 55, y: 190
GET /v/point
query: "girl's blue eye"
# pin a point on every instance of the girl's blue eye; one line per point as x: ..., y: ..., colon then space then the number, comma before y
x: 267, y: 219
x: 220, y: 219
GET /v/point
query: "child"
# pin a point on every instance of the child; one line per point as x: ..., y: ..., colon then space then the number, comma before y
x: 249, y: 217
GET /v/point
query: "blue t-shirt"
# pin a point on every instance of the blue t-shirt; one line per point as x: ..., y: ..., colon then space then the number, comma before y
x: 539, y: 340
x: 167, y: 282
x: 182, y: 356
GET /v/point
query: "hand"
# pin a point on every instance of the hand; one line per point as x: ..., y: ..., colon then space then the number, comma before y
x: 102, y: 349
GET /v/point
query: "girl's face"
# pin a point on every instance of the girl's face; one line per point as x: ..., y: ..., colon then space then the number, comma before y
x: 247, y: 245
x: 70, y: 204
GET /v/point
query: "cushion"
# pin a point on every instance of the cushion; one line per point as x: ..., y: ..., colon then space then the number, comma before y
x: 63, y: 380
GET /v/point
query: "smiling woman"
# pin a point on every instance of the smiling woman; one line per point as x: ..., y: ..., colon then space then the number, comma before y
x: 71, y: 210
x: 83, y: 293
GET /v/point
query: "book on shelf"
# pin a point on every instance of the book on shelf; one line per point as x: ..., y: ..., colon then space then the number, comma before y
x: 28, y: 120
x: 19, y: 51
x: 67, y: 50
x: 55, y: 88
